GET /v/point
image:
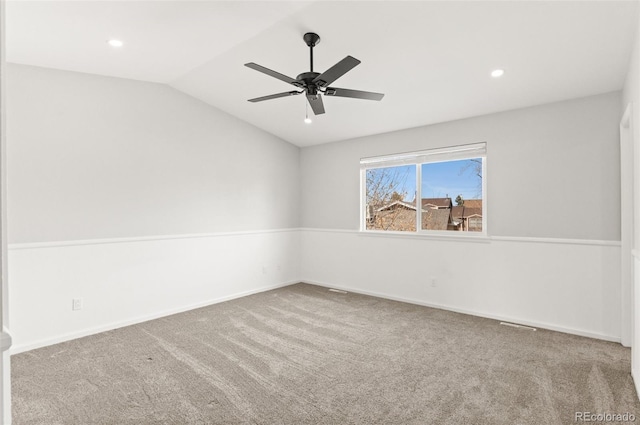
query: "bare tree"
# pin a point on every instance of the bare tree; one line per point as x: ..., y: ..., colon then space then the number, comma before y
x: 474, y: 166
x: 383, y: 187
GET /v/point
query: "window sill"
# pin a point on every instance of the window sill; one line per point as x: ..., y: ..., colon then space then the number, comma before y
x: 440, y: 236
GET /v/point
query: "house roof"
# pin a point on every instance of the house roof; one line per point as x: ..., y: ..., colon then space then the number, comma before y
x: 473, y: 203
x: 435, y: 219
x: 437, y: 202
x: 407, y: 205
x: 472, y: 212
x: 459, y: 212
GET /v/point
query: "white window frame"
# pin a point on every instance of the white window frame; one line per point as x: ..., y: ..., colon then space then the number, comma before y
x: 453, y: 153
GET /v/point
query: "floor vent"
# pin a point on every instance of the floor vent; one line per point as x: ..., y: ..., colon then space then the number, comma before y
x: 339, y: 291
x: 513, y: 325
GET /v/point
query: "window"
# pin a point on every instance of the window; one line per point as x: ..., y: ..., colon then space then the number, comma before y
x: 388, y: 189
x: 439, y: 190
x: 475, y: 224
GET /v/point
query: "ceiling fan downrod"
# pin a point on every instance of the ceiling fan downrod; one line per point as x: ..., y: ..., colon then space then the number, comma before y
x: 312, y: 39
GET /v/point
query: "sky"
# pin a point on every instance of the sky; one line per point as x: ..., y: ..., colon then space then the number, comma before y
x: 453, y: 178
x: 439, y: 180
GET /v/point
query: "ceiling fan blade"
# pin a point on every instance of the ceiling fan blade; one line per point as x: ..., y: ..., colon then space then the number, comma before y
x: 273, y: 74
x: 356, y: 94
x: 336, y: 71
x: 315, y: 100
x: 275, y: 96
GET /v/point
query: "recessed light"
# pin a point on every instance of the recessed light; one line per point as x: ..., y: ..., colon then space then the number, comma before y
x: 496, y: 73
x: 115, y: 43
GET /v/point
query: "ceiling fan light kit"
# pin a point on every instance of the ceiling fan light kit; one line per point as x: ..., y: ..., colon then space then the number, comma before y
x: 315, y: 84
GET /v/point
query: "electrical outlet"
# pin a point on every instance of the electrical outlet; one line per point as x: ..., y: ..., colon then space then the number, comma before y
x: 77, y: 304
x: 433, y: 282
x: 264, y: 269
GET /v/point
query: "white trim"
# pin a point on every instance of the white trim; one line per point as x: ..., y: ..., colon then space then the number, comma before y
x: 419, y: 159
x: 456, y: 236
x: 418, y: 199
x: 626, y: 117
x: 636, y: 376
x: 444, y: 235
x: 363, y: 199
x: 16, y: 349
x: 592, y: 242
x: 433, y: 235
x: 327, y: 230
x: 540, y: 325
x: 485, y: 198
x: 636, y: 255
x: 5, y: 341
x: 626, y: 226
x: 55, y: 244
x: 426, y: 156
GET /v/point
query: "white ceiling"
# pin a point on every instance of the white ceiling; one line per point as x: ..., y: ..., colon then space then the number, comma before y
x: 431, y: 59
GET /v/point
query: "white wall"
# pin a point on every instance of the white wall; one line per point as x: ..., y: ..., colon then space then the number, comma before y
x: 570, y: 286
x: 553, y: 194
x: 110, y: 179
x: 132, y: 280
x: 631, y: 96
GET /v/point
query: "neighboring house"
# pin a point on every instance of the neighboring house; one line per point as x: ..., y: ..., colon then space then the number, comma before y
x: 401, y: 215
x: 436, y: 219
x: 395, y: 205
x: 473, y: 203
x: 396, y: 216
x: 437, y: 214
x: 437, y: 203
x: 468, y: 217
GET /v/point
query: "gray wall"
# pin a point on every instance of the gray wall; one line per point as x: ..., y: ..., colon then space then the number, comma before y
x: 552, y: 170
x: 99, y: 157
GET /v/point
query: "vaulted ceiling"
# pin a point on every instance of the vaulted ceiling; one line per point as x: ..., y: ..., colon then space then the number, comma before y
x: 431, y: 59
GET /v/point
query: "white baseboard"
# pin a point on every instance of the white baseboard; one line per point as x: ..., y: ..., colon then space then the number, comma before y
x: 540, y: 325
x: 92, y: 331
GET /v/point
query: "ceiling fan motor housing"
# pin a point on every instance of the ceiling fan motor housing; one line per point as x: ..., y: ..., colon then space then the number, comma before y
x: 309, y: 85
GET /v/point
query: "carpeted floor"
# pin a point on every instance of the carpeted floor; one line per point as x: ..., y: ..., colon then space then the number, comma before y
x: 305, y: 355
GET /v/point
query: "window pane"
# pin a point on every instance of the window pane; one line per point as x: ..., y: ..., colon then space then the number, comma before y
x: 451, y: 195
x: 390, y: 198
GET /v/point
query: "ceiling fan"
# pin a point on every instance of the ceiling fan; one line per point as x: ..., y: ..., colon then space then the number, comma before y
x: 314, y: 84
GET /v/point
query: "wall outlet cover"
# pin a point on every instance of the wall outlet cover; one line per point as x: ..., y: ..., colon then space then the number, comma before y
x: 77, y: 304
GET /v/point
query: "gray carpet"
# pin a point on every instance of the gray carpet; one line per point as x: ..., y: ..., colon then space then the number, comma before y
x: 304, y: 355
